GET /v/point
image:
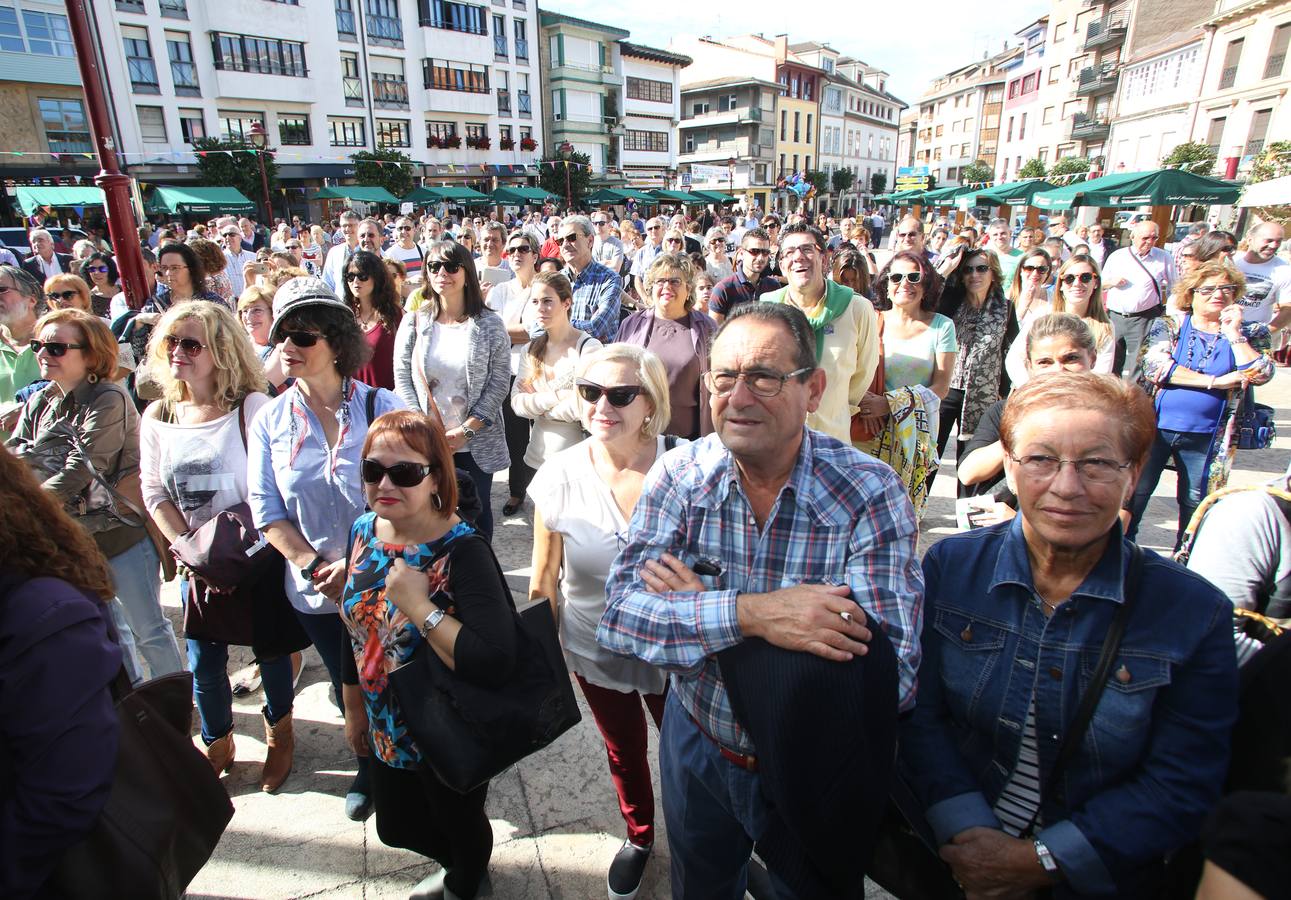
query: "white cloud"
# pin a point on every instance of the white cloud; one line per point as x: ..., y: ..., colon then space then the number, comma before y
x: 914, y: 41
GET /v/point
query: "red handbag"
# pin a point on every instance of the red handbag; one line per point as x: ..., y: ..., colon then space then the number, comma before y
x: 861, y: 429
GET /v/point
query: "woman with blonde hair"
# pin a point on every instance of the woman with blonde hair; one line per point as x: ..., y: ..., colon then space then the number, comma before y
x: 715, y: 259
x: 213, y: 263
x: 67, y: 291
x: 1028, y: 290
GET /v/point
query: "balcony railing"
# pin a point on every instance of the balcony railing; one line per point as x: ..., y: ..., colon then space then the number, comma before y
x: 504, y: 102
x: 522, y: 48
x: 500, y: 46
x: 1097, y: 80
x: 1227, y: 78
x: 390, y: 94
x: 345, y: 26
x: 143, y: 76
x: 1105, y: 32
x: 353, y: 90
x: 525, y: 105
x: 1088, y: 128
x: 1253, y: 147
x: 1273, y: 68
x: 384, y: 29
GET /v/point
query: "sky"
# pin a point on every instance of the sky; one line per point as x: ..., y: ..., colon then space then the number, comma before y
x: 914, y: 41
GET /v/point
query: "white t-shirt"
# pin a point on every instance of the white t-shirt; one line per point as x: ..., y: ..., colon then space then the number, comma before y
x: 202, y: 469
x: 410, y: 257
x: 1268, y: 286
x: 576, y: 504
x: 448, y: 349
x: 511, y: 302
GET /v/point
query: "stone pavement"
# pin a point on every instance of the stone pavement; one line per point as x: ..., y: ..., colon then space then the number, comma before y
x: 555, y: 816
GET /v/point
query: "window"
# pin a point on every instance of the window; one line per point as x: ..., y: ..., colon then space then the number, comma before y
x: 48, y: 33
x: 504, y: 134
x: 1022, y: 127
x: 437, y: 132
x: 1232, y: 56
x: 236, y: 126
x: 446, y: 75
x: 66, y: 128
x: 795, y: 162
x: 1071, y: 107
x: 797, y: 128
x: 654, y: 91
x: 1059, y: 32
x: 10, y: 34
x: 345, y: 26
x: 1215, y: 132
x: 393, y: 133
x: 1074, y: 66
x: 266, y: 56
x: 648, y: 141
x: 522, y: 39
x: 346, y: 132
x: 811, y: 132
x: 1008, y: 133
x: 504, y: 94
x: 293, y: 130
x: 1278, y: 51
x: 351, y: 84
x: 152, y: 124
x: 389, y: 90
x: 1259, y: 131
x: 192, y: 127
x: 1047, y: 118
x: 688, y: 144
x: 143, y: 72
x: 455, y: 16
x: 500, y: 37
x: 173, y: 9
x: 383, y: 23
x: 1044, y: 155
x: 526, y: 133
x: 522, y: 95
x: 182, y: 70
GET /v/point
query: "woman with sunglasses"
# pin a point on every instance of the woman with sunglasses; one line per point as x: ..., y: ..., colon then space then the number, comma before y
x: 371, y: 293
x: 68, y: 291
x: 583, y: 501
x: 772, y: 225
x: 1080, y: 292
x: 193, y: 465
x: 452, y: 359
x: 100, y: 270
x: 1198, y: 360
x: 303, y: 473
x: 678, y: 334
x: 84, y: 417
x: 1030, y: 291
x: 973, y: 298
x: 715, y: 260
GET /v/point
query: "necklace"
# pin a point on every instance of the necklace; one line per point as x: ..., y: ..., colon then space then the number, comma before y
x: 1052, y: 607
x: 1208, y: 350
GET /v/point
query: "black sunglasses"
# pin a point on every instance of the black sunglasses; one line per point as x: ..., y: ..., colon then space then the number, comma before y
x: 54, y: 348
x: 572, y: 238
x: 403, y: 474
x: 1044, y: 270
x: 102, y: 269
x: 302, y: 339
x: 1083, y: 277
x: 979, y: 268
x: 619, y: 396
x: 61, y: 295
x: 188, y: 345
x: 452, y: 268
x: 357, y: 276
x: 520, y: 248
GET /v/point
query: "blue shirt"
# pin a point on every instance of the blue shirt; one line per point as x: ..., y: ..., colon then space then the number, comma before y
x: 597, y: 301
x: 842, y: 517
x: 319, y: 491
x: 1154, y: 759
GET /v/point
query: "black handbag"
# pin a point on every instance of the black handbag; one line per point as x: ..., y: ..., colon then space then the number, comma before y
x: 166, y: 810
x: 468, y: 733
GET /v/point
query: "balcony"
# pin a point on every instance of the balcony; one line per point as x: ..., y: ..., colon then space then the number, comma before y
x: 522, y: 49
x: 1228, y: 77
x: 386, y: 31
x: 1106, y: 32
x: 584, y: 72
x: 1253, y: 147
x: 352, y: 88
x: 1085, y: 127
x: 500, y: 47
x: 173, y: 9
x: 1096, y: 80
x: 525, y: 103
x: 742, y: 115
x: 387, y: 93
x: 710, y: 151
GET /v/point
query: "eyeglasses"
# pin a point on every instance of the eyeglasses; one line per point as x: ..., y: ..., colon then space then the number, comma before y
x: 600, y: 222
x: 757, y: 251
x: 570, y: 238
x: 357, y: 276
x: 673, y: 283
x: 293, y: 246
x: 402, y: 474
x: 520, y: 248
x: 404, y: 228
x: 906, y: 235
x: 452, y: 268
x: 895, y: 278
x: 799, y: 249
x: 1229, y: 290
x: 773, y: 224
x: 763, y: 383
x: 167, y: 270
x: 54, y: 348
x: 100, y: 269
x: 61, y: 296
x: 1043, y: 270
x: 189, y: 346
x: 302, y: 339
x: 978, y: 269
x: 619, y: 396
x: 1092, y: 468
x: 236, y: 234
x: 1083, y: 278
x: 654, y: 227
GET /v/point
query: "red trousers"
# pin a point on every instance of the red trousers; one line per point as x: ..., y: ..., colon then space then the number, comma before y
x: 622, y: 725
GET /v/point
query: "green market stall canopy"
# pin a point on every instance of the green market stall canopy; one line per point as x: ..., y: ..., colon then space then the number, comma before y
x: 1163, y: 187
x: 206, y: 200
x: 361, y: 193
x: 33, y: 198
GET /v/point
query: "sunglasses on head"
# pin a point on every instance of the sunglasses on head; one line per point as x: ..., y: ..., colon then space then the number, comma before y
x: 1083, y: 278
x: 302, y: 339
x: 898, y: 277
x: 54, y: 348
x: 189, y: 346
x: 62, y: 296
x: 357, y: 276
x: 402, y: 474
x: 619, y: 397
x: 452, y: 268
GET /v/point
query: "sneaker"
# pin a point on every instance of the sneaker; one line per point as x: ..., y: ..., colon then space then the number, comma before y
x: 627, y: 870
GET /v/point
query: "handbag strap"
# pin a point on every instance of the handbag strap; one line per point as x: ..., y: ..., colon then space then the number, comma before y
x: 1075, y: 733
x: 1156, y: 286
x: 116, y: 495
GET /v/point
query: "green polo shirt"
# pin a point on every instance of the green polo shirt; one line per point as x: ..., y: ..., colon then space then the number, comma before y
x: 18, y: 368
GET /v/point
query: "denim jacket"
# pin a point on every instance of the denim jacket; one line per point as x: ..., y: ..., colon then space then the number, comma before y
x: 1154, y: 758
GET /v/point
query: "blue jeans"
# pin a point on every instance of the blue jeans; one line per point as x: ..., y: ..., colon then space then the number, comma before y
x: 483, y: 485
x: 329, y: 637
x: 1190, y: 451
x: 714, y: 809
x: 209, y: 661
x: 136, y: 574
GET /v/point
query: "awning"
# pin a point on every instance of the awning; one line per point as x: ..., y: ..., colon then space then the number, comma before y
x: 1274, y: 192
x: 1011, y: 193
x: 361, y: 193
x: 1163, y: 187
x: 461, y: 195
x: 31, y: 199
x: 520, y: 195
x: 211, y: 200
x: 714, y: 196
x: 679, y: 196
x: 619, y: 195
x: 941, y: 196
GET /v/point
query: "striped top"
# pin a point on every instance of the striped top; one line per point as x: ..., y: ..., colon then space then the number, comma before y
x: 1020, y: 798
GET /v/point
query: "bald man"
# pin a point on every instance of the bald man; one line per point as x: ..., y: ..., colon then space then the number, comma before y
x: 1136, y: 282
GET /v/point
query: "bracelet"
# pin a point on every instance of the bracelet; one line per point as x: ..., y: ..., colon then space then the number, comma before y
x: 1240, y: 339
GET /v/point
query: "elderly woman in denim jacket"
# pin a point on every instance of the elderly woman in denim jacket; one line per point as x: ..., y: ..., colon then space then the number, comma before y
x: 1016, y: 617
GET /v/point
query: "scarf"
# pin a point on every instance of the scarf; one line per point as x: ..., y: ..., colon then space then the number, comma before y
x: 300, y: 422
x: 832, y: 305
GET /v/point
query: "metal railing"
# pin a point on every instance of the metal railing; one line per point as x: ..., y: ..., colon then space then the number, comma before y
x: 522, y: 48
x: 504, y: 102
x: 1106, y: 30
x: 525, y: 104
x: 500, y: 46
x: 1228, y: 77
x: 1273, y: 68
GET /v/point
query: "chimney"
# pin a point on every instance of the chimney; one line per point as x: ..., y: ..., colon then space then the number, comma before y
x: 781, y: 47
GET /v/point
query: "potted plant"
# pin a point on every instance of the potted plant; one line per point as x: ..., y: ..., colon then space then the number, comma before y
x: 480, y: 142
x: 507, y: 143
x: 453, y: 141
x: 434, y: 141
x: 528, y: 144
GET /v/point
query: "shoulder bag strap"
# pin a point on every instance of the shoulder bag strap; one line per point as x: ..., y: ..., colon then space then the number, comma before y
x: 1156, y: 285
x: 1089, y: 701
x: 116, y: 495
x: 370, y: 405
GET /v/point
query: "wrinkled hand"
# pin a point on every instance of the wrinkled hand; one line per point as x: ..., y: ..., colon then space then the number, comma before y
x: 806, y: 618
x: 407, y: 588
x: 1230, y: 380
x: 874, y: 406
x: 991, y: 865
x: 329, y: 579
x: 668, y: 573
x: 356, y: 728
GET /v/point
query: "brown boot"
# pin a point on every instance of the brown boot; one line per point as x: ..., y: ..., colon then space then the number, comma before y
x: 220, y: 753
x: 277, y: 762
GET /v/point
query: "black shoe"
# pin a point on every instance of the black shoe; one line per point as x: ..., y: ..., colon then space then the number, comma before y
x: 512, y: 506
x: 626, y: 871
x: 358, y: 807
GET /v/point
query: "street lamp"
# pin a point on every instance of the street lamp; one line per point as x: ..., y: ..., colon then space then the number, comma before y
x: 566, y: 150
x: 260, y: 140
x: 730, y: 176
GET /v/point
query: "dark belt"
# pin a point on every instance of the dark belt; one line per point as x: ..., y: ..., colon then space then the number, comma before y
x: 746, y: 762
x: 1151, y: 313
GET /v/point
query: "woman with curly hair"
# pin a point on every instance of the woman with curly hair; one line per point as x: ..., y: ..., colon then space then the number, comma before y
x: 57, y: 664
x: 213, y: 263
x: 371, y: 293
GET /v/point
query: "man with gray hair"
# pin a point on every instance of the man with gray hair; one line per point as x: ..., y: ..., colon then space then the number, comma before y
x: 20, y: 295
x: 44, y: 262
x: 339, y: 256
x: 647, y: 254
x: 1136, y: 282
x: 597, y: 290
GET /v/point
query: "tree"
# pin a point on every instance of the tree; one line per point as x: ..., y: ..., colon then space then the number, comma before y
x: 842, y: 179
x: 819, y: 181
x: 396, y: 178
x: 878, y: 182
x: 1273, y: 162
x: 976, y: 172
x: 1033, y: 168
x: 1194, y: 156
x: 233, y: 164
x: 551, y: 175
x: 1070, y: 165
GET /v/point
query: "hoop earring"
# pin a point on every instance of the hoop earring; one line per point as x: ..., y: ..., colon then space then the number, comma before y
x: 92, y: 378
x: 436, y: 502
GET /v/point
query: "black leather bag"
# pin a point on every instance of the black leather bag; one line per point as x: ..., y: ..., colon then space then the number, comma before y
x: 167, y: 808
x: 468, y: 732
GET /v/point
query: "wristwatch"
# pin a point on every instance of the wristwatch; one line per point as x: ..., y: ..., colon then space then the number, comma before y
x: 308, y: 571
x: 468, y: 431
x: 1046, y: 859
x: 431, y: 623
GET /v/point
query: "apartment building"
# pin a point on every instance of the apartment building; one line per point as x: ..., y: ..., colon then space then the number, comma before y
x: 1022, y: 108
x: 871, y: 117
x: 729, y: 120
x: 651, y: 113
x: 959, y: 116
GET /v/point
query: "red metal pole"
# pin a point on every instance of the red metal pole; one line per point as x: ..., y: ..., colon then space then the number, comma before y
x: 122, y: 227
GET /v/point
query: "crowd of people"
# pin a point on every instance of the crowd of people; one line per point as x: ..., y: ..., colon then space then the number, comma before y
x: 727, y: 428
